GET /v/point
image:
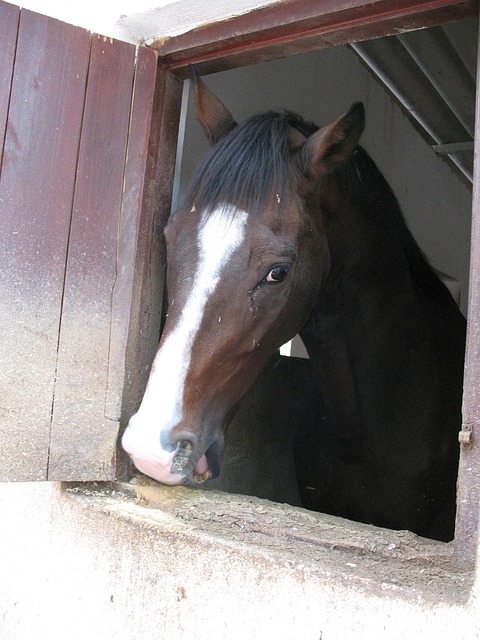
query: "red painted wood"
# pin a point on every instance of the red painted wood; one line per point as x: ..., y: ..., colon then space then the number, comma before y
x: 41, y: 144
x: 70, y: 217
x: 298, y: 26
x: 136, y: 199
x: 468, y: 500
x: 148, y: 286
x: 83, y: 438
x: 9, y: 17
x: 36, y: 192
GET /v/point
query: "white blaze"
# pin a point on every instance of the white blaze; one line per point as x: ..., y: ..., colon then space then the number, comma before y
x: 220, y: 233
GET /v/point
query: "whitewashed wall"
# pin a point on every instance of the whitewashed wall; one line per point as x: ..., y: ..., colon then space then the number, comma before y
x: 141, y: 21
x: 96, y: 568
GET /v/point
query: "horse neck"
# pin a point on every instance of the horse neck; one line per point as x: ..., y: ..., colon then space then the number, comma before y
x: 365, y: 325
x: 368, y: 295
x: 368, y: 262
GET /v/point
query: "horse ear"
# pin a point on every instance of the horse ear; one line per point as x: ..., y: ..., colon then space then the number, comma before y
x: 213, y: 115
x: 330, y: 146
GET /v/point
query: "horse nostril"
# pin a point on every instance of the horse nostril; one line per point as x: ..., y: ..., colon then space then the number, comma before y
x: 182, y: 455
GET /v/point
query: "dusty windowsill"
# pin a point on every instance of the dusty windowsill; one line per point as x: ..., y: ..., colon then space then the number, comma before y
x: 378, y: 561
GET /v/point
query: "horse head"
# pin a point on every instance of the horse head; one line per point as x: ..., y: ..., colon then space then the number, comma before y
x: 246, y: 255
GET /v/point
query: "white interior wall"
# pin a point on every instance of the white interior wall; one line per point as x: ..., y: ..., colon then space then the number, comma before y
x: 321, y: 85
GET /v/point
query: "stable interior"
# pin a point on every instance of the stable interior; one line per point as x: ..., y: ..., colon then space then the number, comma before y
x: 434, y: 190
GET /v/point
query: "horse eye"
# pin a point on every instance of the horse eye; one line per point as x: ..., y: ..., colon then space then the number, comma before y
x: 278, y: 273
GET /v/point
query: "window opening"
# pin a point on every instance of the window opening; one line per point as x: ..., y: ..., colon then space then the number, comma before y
x: 447, y: 249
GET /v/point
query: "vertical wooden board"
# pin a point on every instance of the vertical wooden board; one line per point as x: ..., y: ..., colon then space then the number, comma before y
x: 9, y: 17
x: 135, y: 201
x: 83, y: 438
x: 36, y: 192
x: 468, y: 486
x: 149, y: 277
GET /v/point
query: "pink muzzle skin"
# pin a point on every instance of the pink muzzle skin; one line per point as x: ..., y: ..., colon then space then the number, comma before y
x: 163, y: 466
x: 201, y: 471
x: 157, y: 471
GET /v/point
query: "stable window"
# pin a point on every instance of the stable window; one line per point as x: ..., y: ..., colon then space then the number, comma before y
x: 433, y: 194
x: 253, y: 39
x: 85, y: 189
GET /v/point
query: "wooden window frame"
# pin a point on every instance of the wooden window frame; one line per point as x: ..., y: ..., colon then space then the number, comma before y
x: 300, y: 26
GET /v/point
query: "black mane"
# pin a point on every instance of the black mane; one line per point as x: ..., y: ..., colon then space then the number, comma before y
x: 253, y: 161
x: 248, y: 165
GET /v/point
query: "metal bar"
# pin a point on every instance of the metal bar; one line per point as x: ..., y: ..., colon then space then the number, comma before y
x: 439, y: 61
x: 181, y: 139
x: 433, y: 116
x: 453, y: 147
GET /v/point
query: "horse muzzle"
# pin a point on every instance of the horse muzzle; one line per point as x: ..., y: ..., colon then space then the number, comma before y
x: 180, y: 463
x: 207, y: 467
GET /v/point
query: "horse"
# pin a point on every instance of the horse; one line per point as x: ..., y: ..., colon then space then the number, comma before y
x: 289, y: 228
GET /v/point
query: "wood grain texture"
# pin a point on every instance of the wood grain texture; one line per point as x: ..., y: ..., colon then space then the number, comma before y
x: 148, y: 286
x: 297, y: 26
x: 135, y: 201
x: 76, y: 113
x: 83, y: 438
x: 9, y: 18
x: 36, y: 191
x: 468, y: 491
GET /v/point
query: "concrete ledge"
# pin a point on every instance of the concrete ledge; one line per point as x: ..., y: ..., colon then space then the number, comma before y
x: 319, y: 547
x: 137, y: 562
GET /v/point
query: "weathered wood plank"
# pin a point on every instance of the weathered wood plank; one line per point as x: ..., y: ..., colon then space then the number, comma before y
x: 468, y: 492
x: 148, y: 287
x: 9, y: 18
x: 36, y: 190
x: 83, y: 438
x: 290, y: 28
x: 135, y: 201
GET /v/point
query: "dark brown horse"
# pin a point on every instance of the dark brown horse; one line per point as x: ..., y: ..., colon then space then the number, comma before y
x: 288, y: 228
